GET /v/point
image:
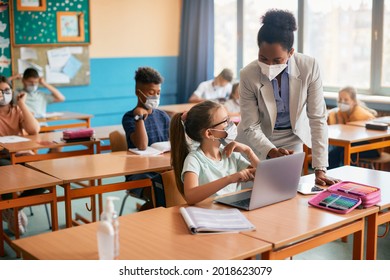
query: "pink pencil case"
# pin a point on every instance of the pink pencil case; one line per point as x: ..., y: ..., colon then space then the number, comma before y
x: 77, y: 133
x: 345, y: 196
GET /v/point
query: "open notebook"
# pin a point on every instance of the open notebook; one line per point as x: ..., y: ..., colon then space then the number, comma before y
x: 154, y: 149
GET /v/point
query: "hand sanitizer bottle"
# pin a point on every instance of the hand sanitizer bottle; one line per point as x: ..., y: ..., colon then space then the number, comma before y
x: 108, y: 232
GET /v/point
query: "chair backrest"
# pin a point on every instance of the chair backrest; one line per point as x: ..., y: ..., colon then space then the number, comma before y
x: 172, y: 195
x: 118, y: 141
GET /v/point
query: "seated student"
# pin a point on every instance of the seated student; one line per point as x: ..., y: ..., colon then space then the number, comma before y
x: 37, y: 100
x: 233, y: 104
x: 14, y: 119
x: 217, y: 89
x: 145, y: 125
x: 210, y: 169
x: 349, y: 109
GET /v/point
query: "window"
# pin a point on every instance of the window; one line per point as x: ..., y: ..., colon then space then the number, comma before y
x: 253, y: 11
x: 349, y: 38
x: 225, y: 38
x: 338, y: 34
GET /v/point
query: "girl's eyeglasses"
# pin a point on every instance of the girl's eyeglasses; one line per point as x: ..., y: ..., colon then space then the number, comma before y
x: 6, y: 91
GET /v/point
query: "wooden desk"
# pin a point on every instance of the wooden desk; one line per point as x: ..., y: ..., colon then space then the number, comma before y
x: 293, y: 227
x: 46, y: 141
x: 83, y: 120
x: 96, y: 167
x: 156, y: 234
x: 385, y: 119
x: 345, y: 135
x: 380, y: 179
x: 17, y: 178
x: 173, y: 109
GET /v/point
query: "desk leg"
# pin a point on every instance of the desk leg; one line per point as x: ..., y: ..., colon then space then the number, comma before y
x: 372, y: 233
x: 68, y: 205
x: 54, y: 210
x: 358, y: 245
x: 347, y: 155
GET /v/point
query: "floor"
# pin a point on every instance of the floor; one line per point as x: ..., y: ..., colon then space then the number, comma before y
x: 336, y: 250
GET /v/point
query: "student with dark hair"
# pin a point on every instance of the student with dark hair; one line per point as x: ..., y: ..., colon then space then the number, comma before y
x: 145, y: 125
x: 209, y: 169
x: 37, y: 100
x: 281, y: 97
x: 15, y: 118
x: 218, y: 88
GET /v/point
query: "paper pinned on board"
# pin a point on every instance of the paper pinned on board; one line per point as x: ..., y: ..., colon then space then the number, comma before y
x: 54, y: 77
x: 72, y: 67
x: 24, y: 64
x: 28, y: 53
x: 58, y: 58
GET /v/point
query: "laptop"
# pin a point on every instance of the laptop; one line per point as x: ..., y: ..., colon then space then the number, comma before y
x: 276, y: 180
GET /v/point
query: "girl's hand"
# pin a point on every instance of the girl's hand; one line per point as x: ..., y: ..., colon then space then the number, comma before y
x: 244, y: 175
x: 235, y: 147
x: 21, y: 98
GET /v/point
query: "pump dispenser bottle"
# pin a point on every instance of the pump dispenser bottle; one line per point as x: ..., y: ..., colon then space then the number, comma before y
x: 108, y: 232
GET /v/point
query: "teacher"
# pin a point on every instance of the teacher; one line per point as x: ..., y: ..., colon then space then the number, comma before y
x: 281, y: 98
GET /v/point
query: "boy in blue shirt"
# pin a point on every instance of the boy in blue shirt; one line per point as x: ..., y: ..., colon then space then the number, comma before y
x: 145, y: 125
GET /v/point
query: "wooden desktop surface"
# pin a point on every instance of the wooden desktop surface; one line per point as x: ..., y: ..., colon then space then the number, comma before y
x: 82, y: 120
x: 98, y: 166
x: 176, y: 108
x: 103, y: 132
x: 47, y: 140
x: 157, y: 234
x: 370, y: 177
x: 353, y: 134
x: 17, y: 178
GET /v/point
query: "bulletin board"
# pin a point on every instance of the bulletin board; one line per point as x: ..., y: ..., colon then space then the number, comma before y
x: 59, y: 65
x: 5, y: 45
x: 38, y: 22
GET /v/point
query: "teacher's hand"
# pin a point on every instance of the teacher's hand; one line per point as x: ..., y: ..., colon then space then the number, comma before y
x: 323, y: 180
x: 279, y: 152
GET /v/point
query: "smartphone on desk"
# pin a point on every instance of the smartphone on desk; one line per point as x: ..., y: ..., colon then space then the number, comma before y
x: 309, y: 188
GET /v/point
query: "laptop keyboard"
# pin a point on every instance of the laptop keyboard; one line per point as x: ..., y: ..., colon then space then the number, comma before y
x: 242, y: 203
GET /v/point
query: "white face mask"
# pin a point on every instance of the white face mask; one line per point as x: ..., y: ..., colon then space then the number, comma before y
x: 271, y: 71
x: 344, y: 107
x: 231, y: 133
x: 32, y: 89
x: 151, y: 102
x: 6, y: 99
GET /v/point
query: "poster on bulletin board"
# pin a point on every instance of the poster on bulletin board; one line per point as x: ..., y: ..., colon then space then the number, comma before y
x: 47, y: 22
x: 5, y: 55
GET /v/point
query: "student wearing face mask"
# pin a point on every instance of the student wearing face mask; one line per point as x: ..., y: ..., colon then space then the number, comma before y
x: 210, y: 169
x: 146, y: 124
x: 281, y: 98
x: 37, y: 100
x: 15, y: 119
x: 349, y: 109
x: 217, y: 89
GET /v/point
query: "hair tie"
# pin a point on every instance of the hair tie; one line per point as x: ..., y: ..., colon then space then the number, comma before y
x: 184, y: 116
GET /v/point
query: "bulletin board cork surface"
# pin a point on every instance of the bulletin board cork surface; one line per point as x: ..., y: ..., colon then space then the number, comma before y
x: 82, y: 76
x: 40, y: 27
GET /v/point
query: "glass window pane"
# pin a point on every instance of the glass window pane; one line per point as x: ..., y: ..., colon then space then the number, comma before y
x: 386, y: 47
x: 225, y: 35
x: 253, y: 11
x: 338, y: 34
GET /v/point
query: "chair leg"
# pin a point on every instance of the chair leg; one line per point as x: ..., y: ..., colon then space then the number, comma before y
x: 48, y: 216
x: 123, y: 204
x: 31, y: 211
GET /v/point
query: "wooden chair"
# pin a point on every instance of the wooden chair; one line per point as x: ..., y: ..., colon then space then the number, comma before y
x: 375, y: 163
x: 172, y: 195
x: 118, y: 141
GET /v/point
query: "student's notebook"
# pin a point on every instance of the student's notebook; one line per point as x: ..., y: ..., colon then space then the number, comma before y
x: 200, y: 220
x: 154, y: 149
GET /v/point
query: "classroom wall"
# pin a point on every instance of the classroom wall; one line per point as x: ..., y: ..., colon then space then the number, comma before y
x: 126, y: 34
